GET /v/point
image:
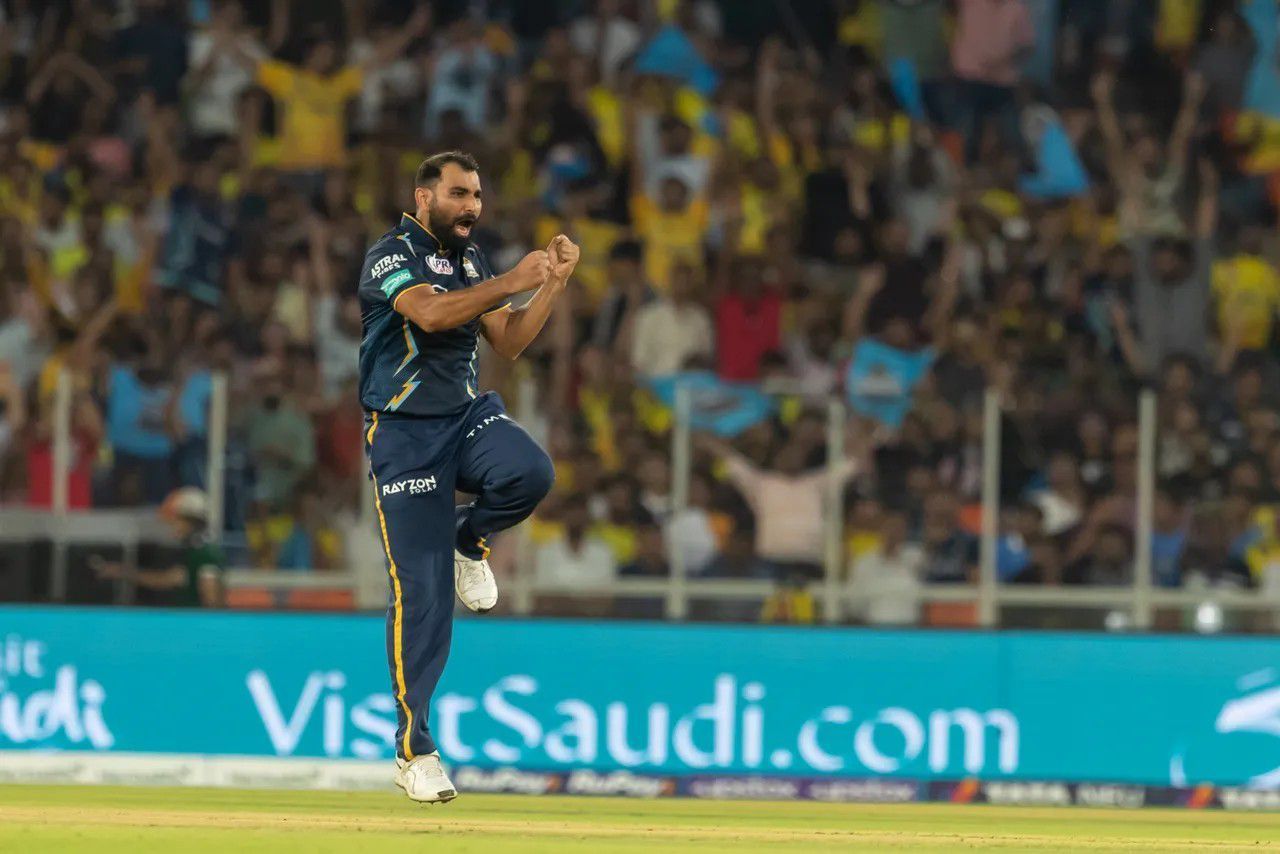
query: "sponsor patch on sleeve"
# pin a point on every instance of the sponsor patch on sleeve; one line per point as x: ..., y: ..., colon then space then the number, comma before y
x: 395, y: 280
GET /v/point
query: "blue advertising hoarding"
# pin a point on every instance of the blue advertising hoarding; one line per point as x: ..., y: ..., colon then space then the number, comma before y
x: 654, y: 698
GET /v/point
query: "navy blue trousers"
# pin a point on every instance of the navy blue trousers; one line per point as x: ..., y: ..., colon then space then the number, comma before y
x: 416, y: 464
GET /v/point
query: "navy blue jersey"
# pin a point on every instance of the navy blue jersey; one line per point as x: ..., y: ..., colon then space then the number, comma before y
x: 402, y: 368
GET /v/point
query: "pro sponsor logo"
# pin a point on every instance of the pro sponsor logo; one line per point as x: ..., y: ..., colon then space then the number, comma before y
x: 440, y: 265
x: 390, y: 283
x: 386, y: 265
x: 411, y: 485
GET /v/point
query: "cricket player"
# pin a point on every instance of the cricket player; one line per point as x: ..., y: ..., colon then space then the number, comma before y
x: 426, y: 295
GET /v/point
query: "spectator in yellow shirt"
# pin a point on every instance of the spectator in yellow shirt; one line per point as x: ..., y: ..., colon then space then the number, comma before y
x: 669, y: 212
x: 596, y: 237
x: 672, y: 230
x: 1247, y: 289
x: 311, y: 98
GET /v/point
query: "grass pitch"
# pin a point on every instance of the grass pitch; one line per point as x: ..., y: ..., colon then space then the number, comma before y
x: 128, y: 819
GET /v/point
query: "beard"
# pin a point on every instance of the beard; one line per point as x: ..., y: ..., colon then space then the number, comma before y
x: 442, y: 226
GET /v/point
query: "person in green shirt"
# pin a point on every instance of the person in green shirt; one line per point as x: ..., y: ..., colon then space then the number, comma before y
x: 190, y: 573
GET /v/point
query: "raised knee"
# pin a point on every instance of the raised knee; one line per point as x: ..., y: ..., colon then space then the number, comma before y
x: 539, y: 477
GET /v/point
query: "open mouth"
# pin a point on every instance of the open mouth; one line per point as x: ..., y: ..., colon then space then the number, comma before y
x: 462, y: 225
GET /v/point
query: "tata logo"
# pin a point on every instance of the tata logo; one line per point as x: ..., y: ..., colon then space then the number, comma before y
x: 411, y: 485
x: 440, y: 265
x: 386, y: 265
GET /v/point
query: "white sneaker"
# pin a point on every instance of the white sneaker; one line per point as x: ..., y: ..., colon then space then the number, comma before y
x: 474, y: 582
x: 424, y: 780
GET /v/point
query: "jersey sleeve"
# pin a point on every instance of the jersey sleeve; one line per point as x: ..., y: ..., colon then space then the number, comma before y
x: 388, y: 272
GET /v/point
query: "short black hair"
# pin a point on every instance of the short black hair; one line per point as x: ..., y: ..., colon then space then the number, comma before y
x: 429, y: 170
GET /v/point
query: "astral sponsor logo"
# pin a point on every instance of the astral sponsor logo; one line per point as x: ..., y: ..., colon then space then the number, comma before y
x: 386, y: 265
x: 587, y: 782
x: 507, y: 780
x: 440, y: 265
x: 864, y: 791
x: 411, y: 485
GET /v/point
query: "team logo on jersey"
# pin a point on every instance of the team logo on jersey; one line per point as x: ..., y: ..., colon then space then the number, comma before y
x: 470, y: 269
x: 387, y: 264
x: 440, y: 265
x: 390, y: 283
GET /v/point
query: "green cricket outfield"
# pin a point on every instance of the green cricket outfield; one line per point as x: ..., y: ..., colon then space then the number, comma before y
x: 135, y: 819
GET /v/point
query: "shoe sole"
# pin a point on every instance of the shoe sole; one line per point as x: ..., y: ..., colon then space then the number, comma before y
x: 442, y: 797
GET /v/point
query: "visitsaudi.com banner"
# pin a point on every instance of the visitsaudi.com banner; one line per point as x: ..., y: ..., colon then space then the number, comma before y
x: 692, y: 703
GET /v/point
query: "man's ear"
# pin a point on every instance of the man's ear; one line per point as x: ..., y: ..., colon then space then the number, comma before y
x: 422, y: 197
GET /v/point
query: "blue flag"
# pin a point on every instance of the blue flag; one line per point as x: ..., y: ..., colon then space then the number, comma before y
x: 1262, y: 91
x: 720, y: 407
x: 670, y: 54
x: 882, y: 379
x: 1059, y: 172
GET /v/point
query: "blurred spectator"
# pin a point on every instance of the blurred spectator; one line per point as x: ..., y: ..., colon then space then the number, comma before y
x: 671, y: 329
x: 950, y: 552
x: 190, y: 573
x: 577, y: 558
x: 690, y: 532
x: 1108, y: 562
x: 992, y: 38
x: 281, y: 442
x: 885, y: 584
x: 786, y: 501
x: 1168, y: 541
x: 311, y: 542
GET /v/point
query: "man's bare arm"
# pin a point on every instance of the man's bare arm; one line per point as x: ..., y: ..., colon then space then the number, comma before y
x: 435, y: 312
x: 510, y: 332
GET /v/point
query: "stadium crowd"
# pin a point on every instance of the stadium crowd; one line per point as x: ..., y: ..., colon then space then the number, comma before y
x: 899, y: 202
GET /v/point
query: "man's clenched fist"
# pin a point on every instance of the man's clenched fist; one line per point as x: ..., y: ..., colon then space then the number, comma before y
x: 534, y: 269
x: 564, y: 254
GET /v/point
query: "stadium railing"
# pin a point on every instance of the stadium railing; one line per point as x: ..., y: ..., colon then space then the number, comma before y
x: 1129, y: 606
